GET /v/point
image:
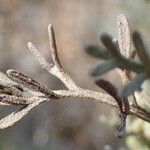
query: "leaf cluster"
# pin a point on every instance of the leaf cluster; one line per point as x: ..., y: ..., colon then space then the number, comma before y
x: 114, y: 59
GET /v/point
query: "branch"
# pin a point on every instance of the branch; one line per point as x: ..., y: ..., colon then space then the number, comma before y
x: 74, y: 90
x: 38, y: 93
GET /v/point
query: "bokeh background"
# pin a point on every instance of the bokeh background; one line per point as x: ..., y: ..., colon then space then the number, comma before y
x: 66, y: 124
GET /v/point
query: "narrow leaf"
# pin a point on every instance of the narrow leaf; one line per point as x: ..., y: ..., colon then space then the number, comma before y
x: 107, y: 40
x: 102, y: 68
x: 29, y: 82
x: 124, y: 40
x: 97, y: 52
x: 140, y: 48
x: 53, y: 46
x: 111, y: 90
x: 132, y: 86
x: 11, y: 90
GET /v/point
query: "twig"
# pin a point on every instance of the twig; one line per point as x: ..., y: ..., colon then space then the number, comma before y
x: 73, y: 90
x: 53, y: 69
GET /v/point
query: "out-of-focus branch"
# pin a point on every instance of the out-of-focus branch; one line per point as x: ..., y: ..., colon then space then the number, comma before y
x: 118, y: 54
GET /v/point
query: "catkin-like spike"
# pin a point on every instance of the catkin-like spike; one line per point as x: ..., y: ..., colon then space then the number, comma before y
x: 11, y: 90
x: 30, y: 82
x: 110, y: 89
x: 14, y: 100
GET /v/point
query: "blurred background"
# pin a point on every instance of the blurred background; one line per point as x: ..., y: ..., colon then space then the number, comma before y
x: 77, y: 124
